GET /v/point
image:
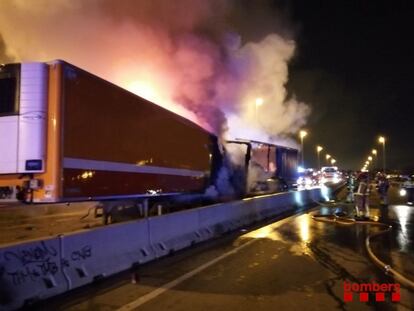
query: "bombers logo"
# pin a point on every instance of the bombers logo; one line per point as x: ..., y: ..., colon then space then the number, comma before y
x: 381, y: 290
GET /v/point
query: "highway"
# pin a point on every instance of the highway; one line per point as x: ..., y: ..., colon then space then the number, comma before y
x: 294, y: 263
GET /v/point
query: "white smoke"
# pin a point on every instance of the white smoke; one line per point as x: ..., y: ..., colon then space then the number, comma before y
x: 179, y: 54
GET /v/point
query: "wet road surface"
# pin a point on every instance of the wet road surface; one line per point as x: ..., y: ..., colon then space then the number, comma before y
x: 291, y: 264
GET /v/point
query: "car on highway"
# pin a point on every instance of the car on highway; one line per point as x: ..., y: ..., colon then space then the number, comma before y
x: 306, y: 179
x: 407, y: 191
x: 330, y: 174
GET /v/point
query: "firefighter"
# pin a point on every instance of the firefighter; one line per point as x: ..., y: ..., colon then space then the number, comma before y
x: 383, y: 186
x: 350, y: 187
x: 361, y: 197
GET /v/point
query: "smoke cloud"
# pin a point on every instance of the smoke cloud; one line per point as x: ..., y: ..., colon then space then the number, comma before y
x: 4, y: 57
x: 188, y: 56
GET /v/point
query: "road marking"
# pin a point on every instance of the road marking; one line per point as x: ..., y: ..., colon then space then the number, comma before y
x: 144, y: 299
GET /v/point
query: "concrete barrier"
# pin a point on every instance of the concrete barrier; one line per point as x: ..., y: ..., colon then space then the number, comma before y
x: 41, y: 269
x: 272, y: 205
x: 95, y: 254
x: 172, y: 232
x: 214, y: 220
x: 30, y: 272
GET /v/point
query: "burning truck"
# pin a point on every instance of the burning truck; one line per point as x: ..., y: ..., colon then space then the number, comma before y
x: 68, y: 135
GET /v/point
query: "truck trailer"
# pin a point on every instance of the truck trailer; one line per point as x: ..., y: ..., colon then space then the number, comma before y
x: 267, y: 167
x: 68, y: 135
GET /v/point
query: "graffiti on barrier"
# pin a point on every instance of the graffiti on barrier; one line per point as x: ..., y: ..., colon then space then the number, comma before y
x: 31, y: 263
x: 34, y: 262
x: 82, y: 254
x: 38, y: 254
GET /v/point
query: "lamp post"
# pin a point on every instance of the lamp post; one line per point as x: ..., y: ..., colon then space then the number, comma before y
x: 302, y: 135
x: 327, y: 157
x: 374, y: 152
x: 333, y: 161
x: 318, y: 151
x: 381, y: 140
x: 258, y: 103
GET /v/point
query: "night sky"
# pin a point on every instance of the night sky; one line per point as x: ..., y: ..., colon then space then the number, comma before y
x: 354, y: 66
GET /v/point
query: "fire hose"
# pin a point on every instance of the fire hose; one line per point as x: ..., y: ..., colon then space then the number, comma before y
x: 387, y: 228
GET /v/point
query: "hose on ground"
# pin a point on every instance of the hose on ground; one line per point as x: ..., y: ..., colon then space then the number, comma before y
x: 387, y: 228
x: 332, y: 203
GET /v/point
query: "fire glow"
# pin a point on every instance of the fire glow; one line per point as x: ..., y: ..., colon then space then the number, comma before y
x: 151, y: 93
x: 212, y: 77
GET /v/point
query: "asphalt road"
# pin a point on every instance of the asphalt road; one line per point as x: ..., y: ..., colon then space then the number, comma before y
x: 291, y: 264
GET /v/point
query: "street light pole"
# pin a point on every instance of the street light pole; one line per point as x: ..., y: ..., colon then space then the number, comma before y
x: 328, y: 156
x: 318, y: 150
x: 381, y: 140
x: 374, y: 152
x: 302, y: 135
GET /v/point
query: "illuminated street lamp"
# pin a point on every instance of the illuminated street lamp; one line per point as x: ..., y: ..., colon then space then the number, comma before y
x: 318, y: 150
x: 369, y: 158
x: 381, y: 140
x: 302, y: 135
x: 374, y: 152
x: 327, y: 157
x: 333, y: 161
x: 258, y: 103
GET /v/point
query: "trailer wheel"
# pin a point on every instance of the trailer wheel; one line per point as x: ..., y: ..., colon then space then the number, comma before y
x: 108, y: 219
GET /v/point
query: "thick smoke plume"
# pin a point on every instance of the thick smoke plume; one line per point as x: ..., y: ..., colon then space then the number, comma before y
x: 188, y: 56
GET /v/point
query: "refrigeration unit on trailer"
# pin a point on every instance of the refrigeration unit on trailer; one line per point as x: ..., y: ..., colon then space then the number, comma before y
x: 67, y: 135
x: 23, y: 118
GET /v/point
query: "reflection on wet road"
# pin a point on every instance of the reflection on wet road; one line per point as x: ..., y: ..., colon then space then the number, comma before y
x: 293, y: 264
